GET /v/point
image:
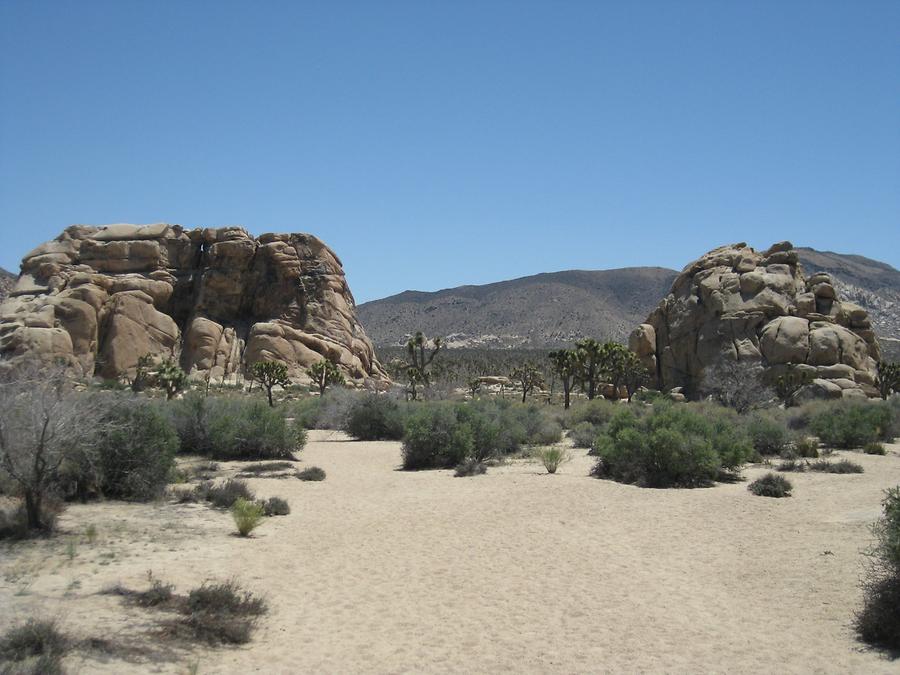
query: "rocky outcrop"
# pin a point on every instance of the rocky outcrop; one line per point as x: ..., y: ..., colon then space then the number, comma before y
x: 217, y: 300
x: 735, y: 304
x: 7, y: 281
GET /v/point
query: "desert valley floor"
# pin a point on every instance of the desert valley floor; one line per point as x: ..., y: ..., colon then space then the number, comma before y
x: 378, y: 570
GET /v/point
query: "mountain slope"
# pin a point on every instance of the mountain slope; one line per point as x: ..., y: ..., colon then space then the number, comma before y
x: 7, y: 281
x: 554, y: 309
x: 543, y: 310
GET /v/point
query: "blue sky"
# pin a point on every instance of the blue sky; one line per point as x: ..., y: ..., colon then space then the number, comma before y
x: 435, y: 143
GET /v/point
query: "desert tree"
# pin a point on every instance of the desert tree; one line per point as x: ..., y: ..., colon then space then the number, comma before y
x: 587, y: 354
x: 325, y: 373
x: 170, y: 378
x: 474, y: 386
x: 528, y: 377
x: 44, y: 422
x: 269, y: 374
x: 634, y: 374
x: 420, y: 353
x: 142, y: 373
x: 565, y: 365
x: 888, y: 380
x: 789, y: 383
x: 615, y: 363
x: 735, y: 384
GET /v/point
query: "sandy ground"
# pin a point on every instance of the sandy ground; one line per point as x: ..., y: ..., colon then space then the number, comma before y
x: 377, y: 570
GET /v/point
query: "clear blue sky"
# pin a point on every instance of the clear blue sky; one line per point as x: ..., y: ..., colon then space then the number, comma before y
x: 434, y: 143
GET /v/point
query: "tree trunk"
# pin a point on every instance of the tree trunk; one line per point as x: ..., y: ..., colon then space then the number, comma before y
x: 524, y: 394
x: 566, y: 387
x: 33, y: 509
x: 269, y: 394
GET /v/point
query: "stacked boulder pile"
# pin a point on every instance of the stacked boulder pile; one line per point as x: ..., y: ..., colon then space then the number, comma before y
x: 215, y: 300
x: 737, y: 305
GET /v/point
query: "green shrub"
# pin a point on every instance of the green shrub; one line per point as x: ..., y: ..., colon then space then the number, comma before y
x: 806, y: 447
x: 334, y: 408
x: 137, y: 455
x: 771, y: 485
x: 223, y: 495
x: 248, y: 429
x: 878, y: 622
x: 553, y: 457
x: 313, y: 473
x: 792, y: 465
x: 435, y: 438
x: 583, y: 434
x: 247, y: 515
x: 852, y: 424
x: 306, y: 412
x: 191, y: 416
x: 276, y: 506
x: 375, y: 417
x: 768, y: 433
x: 470, y: 467
x: 874, y: 449
x: 597, y: 412
x: 672, y: 445
x: 544, y: 432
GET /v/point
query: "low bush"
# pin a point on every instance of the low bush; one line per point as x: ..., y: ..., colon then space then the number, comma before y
x: 874, y: 449
x: 435, y: 438
x: 223, y: 495
x: 235, y: 428
x: 671, y: 445
x: 262, y: 468
x: 768, y: 432
x: 312, y: 473
x: 470, y: 467
x: 333, y: 409
x: 792, y: 465
x: 247, y: 515
x: 553, y: 457
x: 596, y: 412
x: 583, y: 434
x: 852, y: 424
x: 841, y: 466
x: 306, y: 412
x: 878, y: 622
x: 220, y: 613
x: 806, y: 447
x: 375, y: 417
x: 276, y: 506
x: 40, y: 641
x: 771, y: 485
x: 157, y: 595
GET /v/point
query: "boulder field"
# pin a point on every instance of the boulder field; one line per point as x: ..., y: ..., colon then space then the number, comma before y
x: 216, y: 300
x: 735, y: 304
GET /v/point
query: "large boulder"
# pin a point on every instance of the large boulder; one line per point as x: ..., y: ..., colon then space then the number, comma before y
x: 216, y: 300
x: 735, y: 304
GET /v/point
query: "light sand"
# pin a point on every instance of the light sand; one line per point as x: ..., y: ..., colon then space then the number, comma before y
x: 377, y: 570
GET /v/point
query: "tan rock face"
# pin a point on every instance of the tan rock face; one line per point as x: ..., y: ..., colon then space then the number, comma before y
x: 217, y: 300
x: 738, y: 304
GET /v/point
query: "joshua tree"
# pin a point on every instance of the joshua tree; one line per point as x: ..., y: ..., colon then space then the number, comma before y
x: 420, y: 353
x: 43, y: 423
x: 139, y: 383
x: 789, y: 384
x: 269, y: 374
x: 615, y: 364
x: 635, y: 375
x: 565, y: 365
x: 325, y: 373
x: 171, y: 378
x: 888, y: 378
x: 587, y: 354
x: 528, y: 376
x: 474, y: 386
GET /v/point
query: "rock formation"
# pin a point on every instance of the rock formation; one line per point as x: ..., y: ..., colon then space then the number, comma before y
x: 735, y: 304
x: 217, y: 300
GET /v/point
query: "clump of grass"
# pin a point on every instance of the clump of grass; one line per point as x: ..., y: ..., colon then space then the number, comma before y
x: 276, y: 506
x: 842, y: 466
x: 792, y: 465
x: 157, y: 595
x: 470, y: 467
x: 247, y: 515
x: 91, y: 533
x: 224, y: 495
x: 38, y: 640
x: 771, y: 485
x: 874, y: 448
x: 312, y: 473
x: 221, y: 613
x: 553, y: 457
x: 261, y: 468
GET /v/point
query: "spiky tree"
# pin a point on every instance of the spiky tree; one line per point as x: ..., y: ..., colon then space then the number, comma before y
x: 170, y: 378
x: 634, y: 375
x: 888, y: 380
x: 270, y: 374
x: 587, y: 354
x: 142, y: 372
x: 325, y: 373
x: 789, y: 383
x: 615, y: 364
x: 565, y: 365
x: 528, y: 376
x: 474, y: 386
x: 420, y: 352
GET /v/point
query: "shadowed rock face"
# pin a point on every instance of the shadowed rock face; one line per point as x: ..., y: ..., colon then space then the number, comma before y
x: 217, y: 300
x: 736, y: 304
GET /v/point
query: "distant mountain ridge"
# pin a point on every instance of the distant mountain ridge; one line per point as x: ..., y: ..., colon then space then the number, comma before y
x: 556, y: 308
